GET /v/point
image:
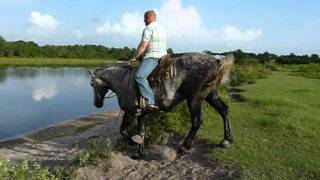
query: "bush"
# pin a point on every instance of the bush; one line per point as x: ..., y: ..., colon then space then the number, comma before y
x: 23, y: 170
x: 310, y: 71
x: 91, y: 155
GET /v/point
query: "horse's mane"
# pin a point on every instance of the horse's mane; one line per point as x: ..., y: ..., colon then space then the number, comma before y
x: 123, y: 66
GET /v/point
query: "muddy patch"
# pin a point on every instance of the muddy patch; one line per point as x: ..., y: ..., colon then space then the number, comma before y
x: 235, y: 90
x: 161, y: 162
x: 235, y: 94
x: 238, y: 98
x: 247, y: 82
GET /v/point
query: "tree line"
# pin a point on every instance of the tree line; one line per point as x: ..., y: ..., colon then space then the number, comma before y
x: 266, y: 57
x: 31, y: 49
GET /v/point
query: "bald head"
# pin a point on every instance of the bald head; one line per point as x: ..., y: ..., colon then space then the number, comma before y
x: 149, y: 17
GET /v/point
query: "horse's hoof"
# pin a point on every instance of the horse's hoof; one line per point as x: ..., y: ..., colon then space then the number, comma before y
x: 137, y: 156
x: 225, y: 144
x: 182, y: 151
x: 137, y: 139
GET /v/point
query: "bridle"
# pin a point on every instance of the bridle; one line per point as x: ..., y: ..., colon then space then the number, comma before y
x: 93, y: 83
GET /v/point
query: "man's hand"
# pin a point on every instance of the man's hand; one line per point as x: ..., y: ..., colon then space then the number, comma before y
x: 141, y: 48
x: 132, y: 61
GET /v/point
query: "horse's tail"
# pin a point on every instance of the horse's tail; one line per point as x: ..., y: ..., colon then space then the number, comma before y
x: 226, y: 67
x: 224, y: 71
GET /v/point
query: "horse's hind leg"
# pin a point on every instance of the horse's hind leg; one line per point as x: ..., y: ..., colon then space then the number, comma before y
x: 214, y: 100
x: 196, y: 117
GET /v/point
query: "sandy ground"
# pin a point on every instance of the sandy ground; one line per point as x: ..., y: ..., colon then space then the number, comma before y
x: 59, y: 145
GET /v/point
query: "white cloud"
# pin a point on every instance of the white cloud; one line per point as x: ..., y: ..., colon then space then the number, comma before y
x: 184, y: 28
x: 43, y: 92
x: 232, y: 33
x: 42, y: 24
x: 130, y: 23
x: 78, y: 33
x: 177, y: 19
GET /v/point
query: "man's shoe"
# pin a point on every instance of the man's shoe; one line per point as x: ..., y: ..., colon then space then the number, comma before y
x: 152, y: 107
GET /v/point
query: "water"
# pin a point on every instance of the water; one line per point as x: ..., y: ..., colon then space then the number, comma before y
x: 35, y: 98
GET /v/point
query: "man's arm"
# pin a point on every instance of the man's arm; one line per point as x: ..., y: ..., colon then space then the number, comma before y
x: 141, y: 48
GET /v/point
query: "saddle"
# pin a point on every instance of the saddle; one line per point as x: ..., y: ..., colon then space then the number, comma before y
x: 165, y: 70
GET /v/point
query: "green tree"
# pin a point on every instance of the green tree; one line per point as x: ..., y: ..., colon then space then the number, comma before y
x: 2, y: 43
x: 315, y: 58
x: 264, y: 58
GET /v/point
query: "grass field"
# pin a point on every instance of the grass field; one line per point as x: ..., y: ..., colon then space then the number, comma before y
x: 42, y: 62
x: 276, y: 131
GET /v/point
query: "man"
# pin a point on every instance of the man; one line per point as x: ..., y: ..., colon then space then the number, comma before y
x: 152, y: 47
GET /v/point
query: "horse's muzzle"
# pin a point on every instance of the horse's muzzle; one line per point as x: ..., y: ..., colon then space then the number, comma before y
x: 98, y: 105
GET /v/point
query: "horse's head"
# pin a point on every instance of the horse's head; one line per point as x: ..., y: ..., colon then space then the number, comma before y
x: 100, y: 88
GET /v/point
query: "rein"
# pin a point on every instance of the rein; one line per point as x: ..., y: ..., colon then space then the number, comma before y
x: 111, y: 95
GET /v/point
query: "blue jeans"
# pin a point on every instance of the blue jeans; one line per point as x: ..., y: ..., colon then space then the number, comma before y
x: 145, y: 69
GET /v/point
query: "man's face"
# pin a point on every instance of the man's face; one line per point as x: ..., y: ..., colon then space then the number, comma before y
x: 146, y: 20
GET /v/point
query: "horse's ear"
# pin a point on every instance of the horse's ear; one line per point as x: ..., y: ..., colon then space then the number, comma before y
x: 91, y: 73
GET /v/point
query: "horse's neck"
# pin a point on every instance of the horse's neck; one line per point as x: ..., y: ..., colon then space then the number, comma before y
x: 123, y: 84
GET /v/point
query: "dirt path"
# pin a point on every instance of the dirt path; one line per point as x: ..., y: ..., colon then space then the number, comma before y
x: 59, y: 145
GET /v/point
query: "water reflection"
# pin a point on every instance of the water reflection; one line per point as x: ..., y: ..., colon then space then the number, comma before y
x: 45, y: 91
x: 22, y: 73
x: 34, y: 98
x: 3, y: 75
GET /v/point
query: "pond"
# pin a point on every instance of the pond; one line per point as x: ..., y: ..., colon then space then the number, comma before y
x: 35, y: 98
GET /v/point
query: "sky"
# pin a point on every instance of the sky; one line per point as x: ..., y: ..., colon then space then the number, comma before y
x: 277, y: 26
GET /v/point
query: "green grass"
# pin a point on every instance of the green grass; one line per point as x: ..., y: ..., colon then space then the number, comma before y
x: 46, y: 62
x: 307, y: 70
x: 276, y: 132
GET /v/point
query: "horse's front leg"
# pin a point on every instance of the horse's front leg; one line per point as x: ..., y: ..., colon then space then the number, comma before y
x: 126, y: 120
x: 196, y: 117
x: 140, y: 138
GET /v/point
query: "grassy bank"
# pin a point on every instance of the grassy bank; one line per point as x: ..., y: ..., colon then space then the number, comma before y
x: 276, y: 131
x: 45, y: 62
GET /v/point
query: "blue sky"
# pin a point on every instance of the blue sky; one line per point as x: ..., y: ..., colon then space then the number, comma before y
x: 279, y: 26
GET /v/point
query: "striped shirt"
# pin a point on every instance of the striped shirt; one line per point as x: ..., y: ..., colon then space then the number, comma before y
x: 155, y: 35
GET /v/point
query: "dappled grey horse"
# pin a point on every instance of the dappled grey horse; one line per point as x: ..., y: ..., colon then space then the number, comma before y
x: 197, y: 78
